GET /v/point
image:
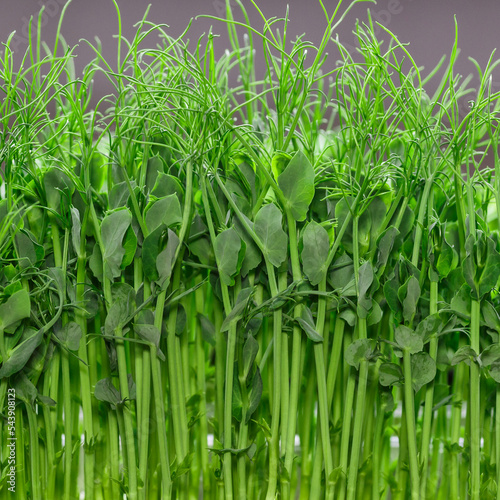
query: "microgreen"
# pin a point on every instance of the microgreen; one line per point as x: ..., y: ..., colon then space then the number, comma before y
x: 194, y: 276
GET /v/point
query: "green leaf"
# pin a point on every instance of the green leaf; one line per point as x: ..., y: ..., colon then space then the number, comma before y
x: 428, y: 326
x: 76, y: 228
x: 270, y: 232
x: 132, y: 391
x: 254, y: 395
x: 119, y: 195
x: 365, y: 229
x: 167, y: 185
x: 490, y: 315
x: 26, y: 249
x: 490, y: 355
x: 238, y: 310
x: 147, y: 332
x: 391, y: 288
x: 166, y: 210
x: 349, y: 316
x: 359, y: 350
x: 119, y: 312
x: 412, y: 294
x: 202, y: 249
x: 19, y: 356
x: 423, y: 370
x: 58, y: 188
x: 316, y: 246
x: 229, y: 252
x: 447, y: 260
x: 207, y: 329
x: 461, y: 302
x: 70, y: 335
x: 491, y: 270
x: 105, y: 391
x: 464, y: 353
x: 253, y: 255
x: 407, y: 339
x: 250, y: 350
x: 165, y: 260
x: 16, y: 308
x: 150, y: 249
x: 365, y: 281
x: 278, y: 163
x: 385, y: 245
x: 113, y: 229
x: 297, y: 185
x: 130, y: 247
x: 306, y: 322
x: 25, y: 390
x: 375, y: 314
x: 377, y: 211
x: 45, y: 401
x: 342, y: 274
x: 495, y: 372
x: 342, y: 211
x: 95, y: 263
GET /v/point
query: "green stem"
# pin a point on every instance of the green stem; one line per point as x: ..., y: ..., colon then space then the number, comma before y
x: 475, y: 410
x: 127, y: 416
x: 144, y: 401
x: 324, y: 420
x: 377, y: 450
x: 358, y: 418
x: 68, y: 445
x: 346, y: 432
x: 242, y: 441
x: 177, y: 398
x: 410, y: 425
x: 159, y: 404
x: 497, y: 438
x: 201, y: 388
x: 89, y: 460
x: 34, y: 454
x: 277, y: 353
x: 296, y: 353
x: 429, y: 396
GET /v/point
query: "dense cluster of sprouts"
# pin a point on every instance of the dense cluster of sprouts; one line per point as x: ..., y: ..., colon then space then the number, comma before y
x: 284, y: 287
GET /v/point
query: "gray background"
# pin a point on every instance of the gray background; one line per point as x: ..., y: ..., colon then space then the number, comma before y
x: 427, y: 25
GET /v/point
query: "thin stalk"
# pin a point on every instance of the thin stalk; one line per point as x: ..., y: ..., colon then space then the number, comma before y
x: 166, y: 480
x: 296, y: 352
x: 144, y: 401
x: 228, y: 398
x: 201, y: 387
x: 377, y: 450
x: 346, y: 432
x: 276, y: 403
x: 475, y: 410
x: 497, y: 439
x: 127, y: 416
x: 177, y: 398
x: 324, y: 419
x: 34, y: 454
x: 429, y: 396
x: 50, y: 443
x: 89, y: 458
x: 362, y: 381
x: 410, y: 426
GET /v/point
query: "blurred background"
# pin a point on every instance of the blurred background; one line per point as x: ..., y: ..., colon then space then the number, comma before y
x: 427, y: 25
